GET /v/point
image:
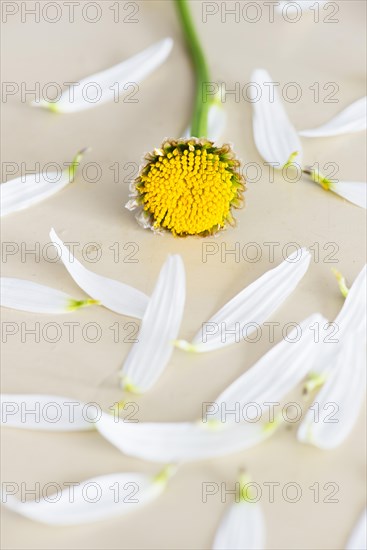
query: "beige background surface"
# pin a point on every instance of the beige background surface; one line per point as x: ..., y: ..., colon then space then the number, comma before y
x: 282, y: 212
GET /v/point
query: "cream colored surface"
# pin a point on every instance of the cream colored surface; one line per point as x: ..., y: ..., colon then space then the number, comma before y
x: 282, y: 212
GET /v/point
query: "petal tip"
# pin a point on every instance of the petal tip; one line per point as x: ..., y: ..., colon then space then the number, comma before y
x: 184, y: 345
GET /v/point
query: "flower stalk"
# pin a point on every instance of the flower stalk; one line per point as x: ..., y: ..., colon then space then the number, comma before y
x: 199, y: 126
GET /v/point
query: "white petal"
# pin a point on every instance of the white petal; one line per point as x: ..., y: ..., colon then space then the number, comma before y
x: 172, y: 442
x: 217, y: 120
x: 161, y: 323
x: 29, y: 296
x: 91, y: 500
x: 22, y: 192
x: 358, y: 537
x: 351, y: 119
x: 167, y: 442
x: 118, y: 297
x: 47, y: 412
x: 242, y: 527
x: 275, y: 137
x: 275, y: 374
x: 353, y: 191
x: 352, y: 316
x: 332, y: 416
x: 106, y: 85
x: 253, y: 305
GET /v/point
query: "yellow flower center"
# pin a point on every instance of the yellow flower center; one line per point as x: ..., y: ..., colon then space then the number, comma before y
x: 189, y: 189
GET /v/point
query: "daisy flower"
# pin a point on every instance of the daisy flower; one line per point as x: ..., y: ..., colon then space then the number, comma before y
x: 189, y: 186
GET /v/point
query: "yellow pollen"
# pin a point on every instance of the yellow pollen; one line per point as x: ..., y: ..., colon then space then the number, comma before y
x: 189, y: 188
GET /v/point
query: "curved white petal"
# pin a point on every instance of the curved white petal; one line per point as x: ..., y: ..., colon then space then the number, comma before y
x: 22, y: 192
x: 275, y: 374
x: 242, y: 527
x: 91, y: 500
x: 161, y: 323
x: 118, y: 297
x: 351, y: 119
x: 172, y: 442
x: 275, y: 137
x: 47, y: 412
x: 354, y: 191
x: 217, y: 120
x: 358, y: 537
x: 29, y: 296
x: 106, y: 85
x: 352, y: 317
x: 332, y: 416
x: 252, y: 306
x: 166, y: 442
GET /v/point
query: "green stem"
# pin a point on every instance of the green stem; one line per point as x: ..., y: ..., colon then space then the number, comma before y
x: 199, y: 125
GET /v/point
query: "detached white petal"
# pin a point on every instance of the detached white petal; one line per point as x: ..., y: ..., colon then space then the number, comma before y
x: 332, y: 416
x: 351, y: 320
x: 47, y: 412
x: 242, y: 528
x: 106, y: 85
x: 352, y: 317
x: 118, y: 297
x: 172, y: 442
x: 358, y: 537
x: 161, y: 323
x: 275, y: 374
x: 166, y: 442
x: 353, y: 191
x: 29, y: 296
x: 351, y: 119
x: 252, y: 306
x: 276, y: 139
x: 217, y: 120
x: 91, y: 500
x: 23, y: 192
